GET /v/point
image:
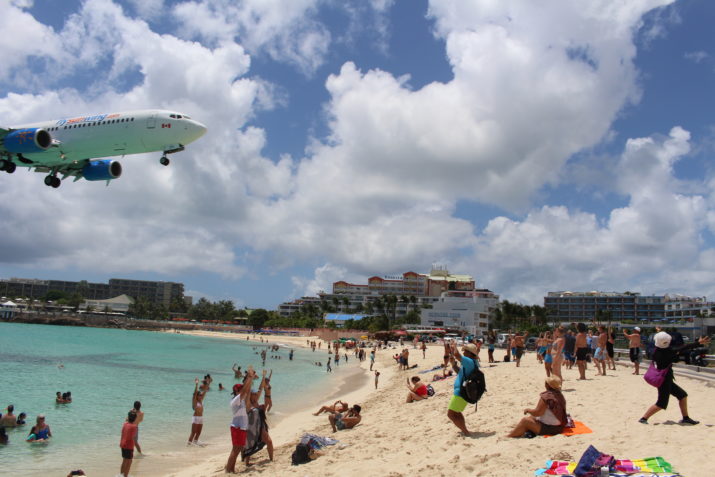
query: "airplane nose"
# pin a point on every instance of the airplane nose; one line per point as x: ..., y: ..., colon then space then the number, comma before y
x: 200, y: 129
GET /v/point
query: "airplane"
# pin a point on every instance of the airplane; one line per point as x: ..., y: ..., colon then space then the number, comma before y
x: 70, y: 146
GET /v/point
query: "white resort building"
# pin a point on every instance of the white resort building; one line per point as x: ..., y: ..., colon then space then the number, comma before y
x: 468, y: 311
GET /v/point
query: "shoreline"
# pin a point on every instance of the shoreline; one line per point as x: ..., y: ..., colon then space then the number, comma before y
x: 354, y: 386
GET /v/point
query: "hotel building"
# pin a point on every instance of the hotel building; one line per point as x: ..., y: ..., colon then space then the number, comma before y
x: 470, y: 311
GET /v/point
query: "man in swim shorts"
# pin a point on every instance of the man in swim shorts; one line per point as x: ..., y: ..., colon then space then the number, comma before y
x: 519, y: 345
x: 457, y: 404
x: 581, y: 350
x: 634, y: 347
x: 338, y: 421
x: 600, y: 354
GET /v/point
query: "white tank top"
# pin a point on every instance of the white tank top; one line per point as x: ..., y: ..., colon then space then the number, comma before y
x: 238, y: 408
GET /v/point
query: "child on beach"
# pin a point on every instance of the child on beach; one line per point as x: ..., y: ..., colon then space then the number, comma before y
x: 377, y: 377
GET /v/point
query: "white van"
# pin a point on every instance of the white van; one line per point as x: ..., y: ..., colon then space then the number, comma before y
x: 502, y: 340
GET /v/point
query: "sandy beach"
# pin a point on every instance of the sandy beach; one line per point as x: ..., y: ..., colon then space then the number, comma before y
x: 397, y: 439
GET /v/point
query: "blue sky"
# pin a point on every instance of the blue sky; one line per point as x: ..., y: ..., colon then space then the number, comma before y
x: 561, y: 147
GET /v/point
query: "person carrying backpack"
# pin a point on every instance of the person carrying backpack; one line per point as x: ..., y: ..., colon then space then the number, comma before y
x: 457, y: 404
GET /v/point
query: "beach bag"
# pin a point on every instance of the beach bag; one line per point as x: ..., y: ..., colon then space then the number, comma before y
x: 430, y: 390
x: 473, y: 386
x: 591, y: 462
x: 301, y: 454
x: 655, y: 376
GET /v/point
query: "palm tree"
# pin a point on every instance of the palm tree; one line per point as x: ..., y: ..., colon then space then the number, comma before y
x: 413, y: 302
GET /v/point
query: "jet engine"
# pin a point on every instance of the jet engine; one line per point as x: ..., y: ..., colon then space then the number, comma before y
x: 103, y: 170
x: 27, y: 141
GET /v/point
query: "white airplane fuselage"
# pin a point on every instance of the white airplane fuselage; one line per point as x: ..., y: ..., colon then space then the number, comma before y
x: 77, y: 140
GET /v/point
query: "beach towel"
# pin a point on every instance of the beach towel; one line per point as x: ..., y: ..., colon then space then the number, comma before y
x: 439, y: 366
x: 316, y: 441
x: 648, y: 467
x: 579, y: 428
x: 256, y: 425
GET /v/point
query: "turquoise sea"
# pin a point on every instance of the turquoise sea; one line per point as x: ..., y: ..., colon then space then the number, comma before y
x: 107, y: 370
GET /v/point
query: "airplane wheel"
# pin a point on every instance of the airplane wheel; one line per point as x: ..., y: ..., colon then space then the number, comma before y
x: 164, y: 161
x: 56, y: 182
x: 9, y: 167
x: 48, y: 180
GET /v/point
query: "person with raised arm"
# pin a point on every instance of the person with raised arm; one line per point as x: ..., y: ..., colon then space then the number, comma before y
x: 457, y: 403
x: 663, y: 358
x: 197, y: 420
x: 239, y: 422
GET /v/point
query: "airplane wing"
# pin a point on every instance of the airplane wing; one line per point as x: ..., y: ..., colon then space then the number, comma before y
x: 67, y: 169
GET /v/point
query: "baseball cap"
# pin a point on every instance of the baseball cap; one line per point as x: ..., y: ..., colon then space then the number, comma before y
x: 237, y: 388
x: 662, y: 339
x: 637, y: 328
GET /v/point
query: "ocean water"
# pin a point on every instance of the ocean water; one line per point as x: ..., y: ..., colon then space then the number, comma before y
x: 107, y: 370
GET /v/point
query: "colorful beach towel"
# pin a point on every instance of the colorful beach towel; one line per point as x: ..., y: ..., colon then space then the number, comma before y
x: 579, y: 428
x: 650, y: 466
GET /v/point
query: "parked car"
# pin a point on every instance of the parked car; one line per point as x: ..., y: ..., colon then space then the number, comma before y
x: 531, y: 343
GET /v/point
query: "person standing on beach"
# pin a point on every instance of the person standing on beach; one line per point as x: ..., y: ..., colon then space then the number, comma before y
x: 569, y: 349
x: 377, y: 377
x: 328, y: 368
x: 492, y: 345
x: 267, y: 389
x: 239, y: 422
x: 634, y: 348
x: 139, y: 419
x: 610, y: 352
x: 290, y: 355
x: 126, y: 443
x: 600, y: 355
x: 457, y: 403
x: 424, y: 350
x: 663, y: 358
x: 519, y: 345
x: 197, y: 420
x: 581, y: 350
x: 557, y: 355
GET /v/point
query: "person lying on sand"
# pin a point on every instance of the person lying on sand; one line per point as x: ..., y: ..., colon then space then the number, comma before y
x: 342, y: 407
x: 351, y: 419
x: 549, y: 416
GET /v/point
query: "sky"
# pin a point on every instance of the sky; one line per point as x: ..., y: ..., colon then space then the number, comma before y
x: 537, y: 146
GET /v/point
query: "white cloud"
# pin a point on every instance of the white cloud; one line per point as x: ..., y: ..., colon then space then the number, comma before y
x: 285, y: 31
x: 532, y: 86
x: 697, y: 56
x: 646, y: 243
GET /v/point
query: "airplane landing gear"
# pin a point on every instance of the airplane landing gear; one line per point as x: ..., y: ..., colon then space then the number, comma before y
x: 52, y: 181
x: 7, y: 166
x: 164, y: 161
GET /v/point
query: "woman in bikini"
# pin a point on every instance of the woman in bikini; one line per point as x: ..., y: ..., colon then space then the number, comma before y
x: 557, y: 355
x: 197, y: 421
x: 267, y: 401
x: 548, y: 358
x: 540, y: 348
